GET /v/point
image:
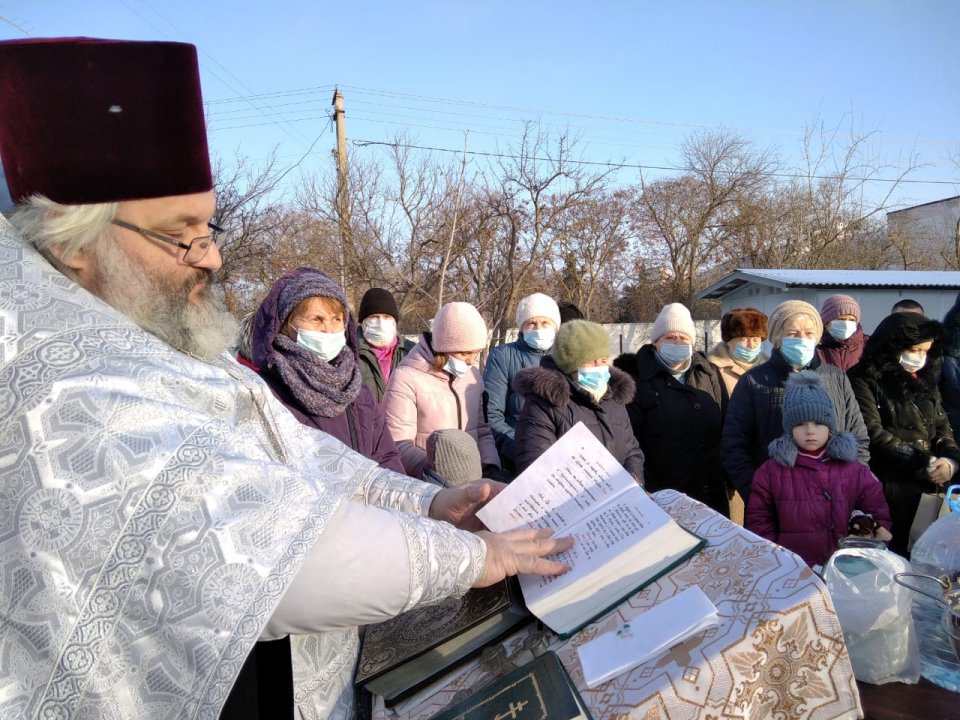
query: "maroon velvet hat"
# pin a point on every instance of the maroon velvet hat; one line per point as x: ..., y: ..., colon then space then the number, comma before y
x: 84, y: 120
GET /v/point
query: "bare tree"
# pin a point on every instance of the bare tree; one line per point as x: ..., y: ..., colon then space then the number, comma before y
x: 591, y: 253
x: 686, y: 220
x: 254, y: 216
x: 530, y: 192
x: 845, y: 184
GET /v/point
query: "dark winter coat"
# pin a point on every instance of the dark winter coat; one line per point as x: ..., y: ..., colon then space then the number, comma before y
x: 843, y: 354
x: 678, y: 425
x: 950, y: 377
x: 904, y: 415
x: 950, y: 391
x: 370, y: 367
x: 755, y: 416
x: 361, y: 426
x: 505, y: 404
x: 804, y: 503
x: 554, y: 403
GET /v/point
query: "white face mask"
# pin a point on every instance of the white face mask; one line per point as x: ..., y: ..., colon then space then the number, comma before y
x: 326, y: 345
x: 912, y: 361
x: 456, y: 366
x: 841, y: 329
x: 379, y: 332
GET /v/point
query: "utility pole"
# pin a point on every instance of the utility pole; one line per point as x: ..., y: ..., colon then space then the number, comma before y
x: 343, y: 200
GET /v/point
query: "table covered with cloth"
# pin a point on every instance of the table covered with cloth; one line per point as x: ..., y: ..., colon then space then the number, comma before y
x: 777, y: 652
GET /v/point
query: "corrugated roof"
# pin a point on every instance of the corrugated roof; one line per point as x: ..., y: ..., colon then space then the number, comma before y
x: 788, y: 278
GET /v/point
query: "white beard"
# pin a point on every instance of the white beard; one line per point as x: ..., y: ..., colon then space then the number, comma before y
x: 203, y: 328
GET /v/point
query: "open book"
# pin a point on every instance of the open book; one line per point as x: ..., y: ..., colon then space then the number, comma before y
x: 622, y: 539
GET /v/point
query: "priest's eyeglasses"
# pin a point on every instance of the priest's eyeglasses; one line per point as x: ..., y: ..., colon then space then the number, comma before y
x: 196, y: 248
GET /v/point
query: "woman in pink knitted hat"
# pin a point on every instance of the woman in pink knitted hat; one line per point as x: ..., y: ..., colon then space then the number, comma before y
x: 842, y: 342
x: 438, y: 386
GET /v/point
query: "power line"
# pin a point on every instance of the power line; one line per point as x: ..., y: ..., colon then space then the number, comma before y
x: 11, y: 23
x: 506, y: 133
x: 517, y: 109
x: 317, y: 89
x: 280, y: 122
x: 634, y: 166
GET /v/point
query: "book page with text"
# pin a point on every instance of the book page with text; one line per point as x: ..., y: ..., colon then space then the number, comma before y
x: 576, y: 474
x: 599, y: 539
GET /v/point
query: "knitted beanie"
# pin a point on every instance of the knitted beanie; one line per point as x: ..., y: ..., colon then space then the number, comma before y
x: 805, y: 400
x: 743, y: 322
x: 454, y: 455
x: 569, y: 311
x: 674, y: 318
x: 458, y: 327
x: 579, y: 342
x: 537, y: 305
x: 314, y: 283
x: 377, y: 301
x: 837, y: 305
x: 786, y: 310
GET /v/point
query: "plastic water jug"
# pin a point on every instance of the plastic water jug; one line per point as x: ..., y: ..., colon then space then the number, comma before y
x: 937, y: 613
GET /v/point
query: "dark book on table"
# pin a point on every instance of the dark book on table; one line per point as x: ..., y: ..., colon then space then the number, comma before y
x: 540, y: 690
x: 404, y: 654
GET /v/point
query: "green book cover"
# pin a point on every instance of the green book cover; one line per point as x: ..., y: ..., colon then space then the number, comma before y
x: 540, y: 690
x: 400, y: 656
x: 701, y: 544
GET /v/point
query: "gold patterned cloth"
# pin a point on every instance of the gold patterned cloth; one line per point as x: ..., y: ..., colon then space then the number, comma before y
x: 778, y: 652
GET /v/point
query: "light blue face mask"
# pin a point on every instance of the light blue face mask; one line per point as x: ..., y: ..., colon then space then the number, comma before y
x: 540, y: 339
x: 326, y: 345
x: 745, y: 354
x: 798, y: 351
x: 673, y: 355
x: 456, y: 367
x: 593, y: 378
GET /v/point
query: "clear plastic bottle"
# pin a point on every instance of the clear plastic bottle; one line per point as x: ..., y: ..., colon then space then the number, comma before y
x: 937, y: 552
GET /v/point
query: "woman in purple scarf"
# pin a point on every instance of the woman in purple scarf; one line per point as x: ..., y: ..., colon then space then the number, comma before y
x: 304, y: 345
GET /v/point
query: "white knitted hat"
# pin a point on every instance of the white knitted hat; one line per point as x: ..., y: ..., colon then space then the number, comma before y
x: 674, y: 318
x: 537, y: 305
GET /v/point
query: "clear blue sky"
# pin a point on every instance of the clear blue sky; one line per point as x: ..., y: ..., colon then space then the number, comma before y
x: 632, y: 78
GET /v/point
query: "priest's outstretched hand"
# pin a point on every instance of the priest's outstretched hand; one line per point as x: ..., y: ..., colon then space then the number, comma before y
x: 458, y: 505
x: 521, y: 551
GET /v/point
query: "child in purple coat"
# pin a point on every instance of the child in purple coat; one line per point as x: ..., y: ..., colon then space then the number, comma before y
x: 812, y: 491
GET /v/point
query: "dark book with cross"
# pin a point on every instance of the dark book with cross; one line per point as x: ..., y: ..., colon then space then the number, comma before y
x: 540, y: 690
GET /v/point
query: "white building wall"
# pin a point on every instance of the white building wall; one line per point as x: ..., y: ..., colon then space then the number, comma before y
x: 933, y: 225
x: 875, y: 304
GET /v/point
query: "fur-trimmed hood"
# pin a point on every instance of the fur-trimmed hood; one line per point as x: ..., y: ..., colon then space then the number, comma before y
x: 841, y: 446
x: 556, y: 388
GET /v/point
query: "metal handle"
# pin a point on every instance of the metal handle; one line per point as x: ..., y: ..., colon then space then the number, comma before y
x: 943, y: 581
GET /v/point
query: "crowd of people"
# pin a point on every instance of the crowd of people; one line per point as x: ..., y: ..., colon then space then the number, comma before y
x: 200, y: 514
x: 832, y: 427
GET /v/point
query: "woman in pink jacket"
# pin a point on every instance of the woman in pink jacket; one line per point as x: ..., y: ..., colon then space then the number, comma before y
x: 437, y: 386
